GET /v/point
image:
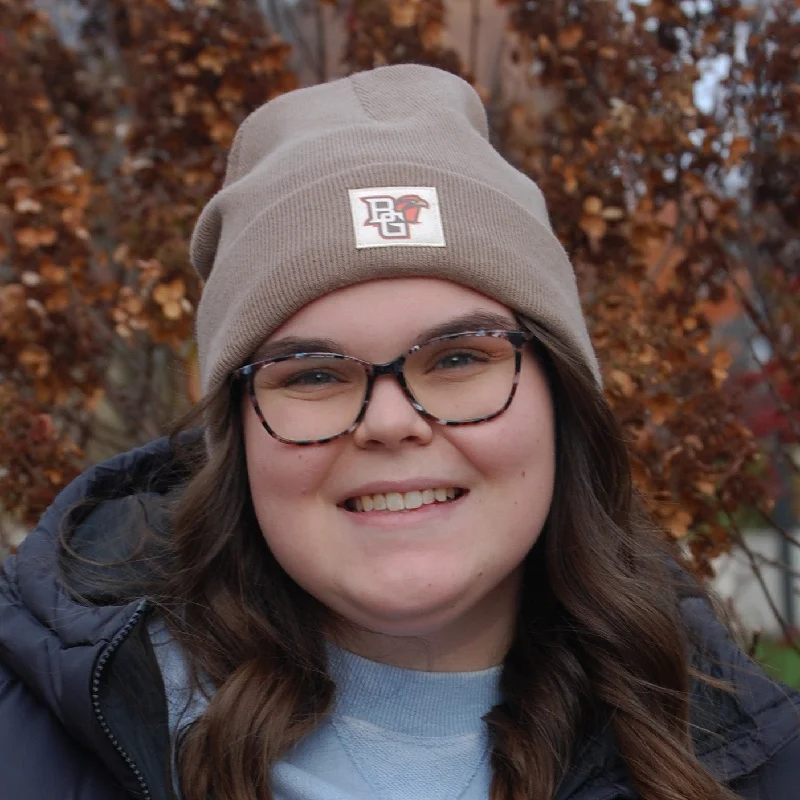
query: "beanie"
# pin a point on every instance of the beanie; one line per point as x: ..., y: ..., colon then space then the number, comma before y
x: 387, y: 173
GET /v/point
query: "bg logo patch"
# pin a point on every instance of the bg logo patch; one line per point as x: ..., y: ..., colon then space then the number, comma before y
x: 392, y: 216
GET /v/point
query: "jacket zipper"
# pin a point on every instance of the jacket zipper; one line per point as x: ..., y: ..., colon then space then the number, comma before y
x: 98, y: 671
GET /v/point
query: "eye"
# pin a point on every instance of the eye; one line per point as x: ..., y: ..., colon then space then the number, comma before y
x: 459, y: 359
x: 311, y: 378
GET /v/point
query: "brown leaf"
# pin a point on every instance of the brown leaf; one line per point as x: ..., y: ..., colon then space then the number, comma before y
x: 661, y: 406
x: 431, y: 34
x: 739, y: 148
x: 172, y: 310
x: 570, y: 37
x: 679, y: 523
x: 593, y: 226
x: 404, y: 13
x: 35, y: 360
x: 54, y: 476
x: 213, y: 59
x: 52, y: 273
x: 592, y: 205
x: 624, y: 382
x: 59, y: 300
x: 706, y: 487
x: 27, y: 238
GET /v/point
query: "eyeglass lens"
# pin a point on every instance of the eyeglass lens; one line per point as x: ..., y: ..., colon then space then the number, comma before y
x: 314, y: 397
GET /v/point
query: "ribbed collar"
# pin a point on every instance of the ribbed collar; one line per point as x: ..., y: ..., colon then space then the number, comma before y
x: 410, y: 701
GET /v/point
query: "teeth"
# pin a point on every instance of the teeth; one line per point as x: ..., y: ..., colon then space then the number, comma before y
x: 395, y: 501
x: 413, y: 499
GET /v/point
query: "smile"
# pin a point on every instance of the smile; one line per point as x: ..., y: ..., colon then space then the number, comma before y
x: 405, y: 501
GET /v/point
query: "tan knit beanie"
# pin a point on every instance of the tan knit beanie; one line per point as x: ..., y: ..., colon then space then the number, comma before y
x: 387, y: 173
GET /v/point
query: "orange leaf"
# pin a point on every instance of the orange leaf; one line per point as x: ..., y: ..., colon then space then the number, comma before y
x: 57, y: 301
x: 404, y: 13
x: 593, y: 226
x: 48, y: 236
x: 624, y: 382
x: 27, y: 237
x: 739, y: 148
x: 662, y: 406
x: 592, y: 205
x: 35, y: 360
x: 705, y: 487
x: 431, y: 34
x: 570, y: 37
x: 213, y: 59
x: 679, y: 524
x: 722, y: 359
x: 53, y: 274
x: 172, y: 310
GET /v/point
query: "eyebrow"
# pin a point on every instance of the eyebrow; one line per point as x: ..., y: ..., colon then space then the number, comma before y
x: 471, y: 321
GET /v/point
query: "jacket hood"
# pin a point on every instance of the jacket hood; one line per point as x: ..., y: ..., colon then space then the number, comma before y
x: 52, y: 642
x: 59, y: 647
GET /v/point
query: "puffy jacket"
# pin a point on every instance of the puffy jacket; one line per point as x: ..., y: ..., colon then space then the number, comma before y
x: 83, y: 712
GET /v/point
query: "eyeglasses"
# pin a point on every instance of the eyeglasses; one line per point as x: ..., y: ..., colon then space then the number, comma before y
x: 458, y: 379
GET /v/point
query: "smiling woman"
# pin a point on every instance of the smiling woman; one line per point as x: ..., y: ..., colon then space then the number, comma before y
x: 395, y: 552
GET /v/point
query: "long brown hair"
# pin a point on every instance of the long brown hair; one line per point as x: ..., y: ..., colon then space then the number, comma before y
x: 598, y: 641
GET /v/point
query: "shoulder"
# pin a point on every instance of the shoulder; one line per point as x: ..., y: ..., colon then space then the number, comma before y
x: 778, y: 778
x: 743, y: 721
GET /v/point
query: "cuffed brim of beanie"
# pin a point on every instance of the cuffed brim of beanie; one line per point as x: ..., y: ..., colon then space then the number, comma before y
x: 494, y: 245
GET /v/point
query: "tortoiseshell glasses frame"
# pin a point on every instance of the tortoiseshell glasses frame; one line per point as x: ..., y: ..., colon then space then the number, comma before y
x: 516, y: 338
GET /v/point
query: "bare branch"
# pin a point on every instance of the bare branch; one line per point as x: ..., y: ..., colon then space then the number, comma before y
x: 756, y: 569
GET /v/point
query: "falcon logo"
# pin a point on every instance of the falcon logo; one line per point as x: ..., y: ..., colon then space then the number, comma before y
x: 396, y: 215
x: 393, y: 217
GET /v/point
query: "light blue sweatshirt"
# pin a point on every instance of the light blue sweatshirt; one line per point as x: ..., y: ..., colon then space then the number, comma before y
x: 393, y: 734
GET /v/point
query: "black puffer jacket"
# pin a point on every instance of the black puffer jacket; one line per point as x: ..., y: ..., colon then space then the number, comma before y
x: 82, y: 707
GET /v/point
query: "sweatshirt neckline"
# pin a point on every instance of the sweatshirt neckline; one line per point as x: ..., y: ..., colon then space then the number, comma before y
x: 412, y: 702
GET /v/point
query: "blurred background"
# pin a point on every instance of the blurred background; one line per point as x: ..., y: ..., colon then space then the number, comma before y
x: 665, y: 136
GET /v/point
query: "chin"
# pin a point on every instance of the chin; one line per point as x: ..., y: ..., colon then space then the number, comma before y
x: 424, y: 617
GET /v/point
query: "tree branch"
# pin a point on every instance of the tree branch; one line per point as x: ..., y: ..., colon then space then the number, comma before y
x: 738, y: 537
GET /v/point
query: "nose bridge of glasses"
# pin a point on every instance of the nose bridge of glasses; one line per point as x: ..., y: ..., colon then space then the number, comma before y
x: 391, y: 369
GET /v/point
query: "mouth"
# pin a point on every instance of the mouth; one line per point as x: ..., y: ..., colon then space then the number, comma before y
x: 396, y: 502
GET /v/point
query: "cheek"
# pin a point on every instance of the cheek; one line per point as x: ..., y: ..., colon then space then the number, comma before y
x: 520, y: 443
x: 515, y: 454
x: 281, y: 475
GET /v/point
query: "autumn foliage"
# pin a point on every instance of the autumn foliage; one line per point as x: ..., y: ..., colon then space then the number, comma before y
x: 681, y: 212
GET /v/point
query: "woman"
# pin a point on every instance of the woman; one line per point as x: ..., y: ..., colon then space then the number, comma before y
x: 402, y: 558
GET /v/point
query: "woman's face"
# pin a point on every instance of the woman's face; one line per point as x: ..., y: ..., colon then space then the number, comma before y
x: 446, y: 572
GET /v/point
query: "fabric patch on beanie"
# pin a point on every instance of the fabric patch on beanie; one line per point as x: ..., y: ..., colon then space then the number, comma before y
x: 392, y: 216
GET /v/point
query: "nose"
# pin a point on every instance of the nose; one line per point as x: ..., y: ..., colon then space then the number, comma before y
x: 390, y: 420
